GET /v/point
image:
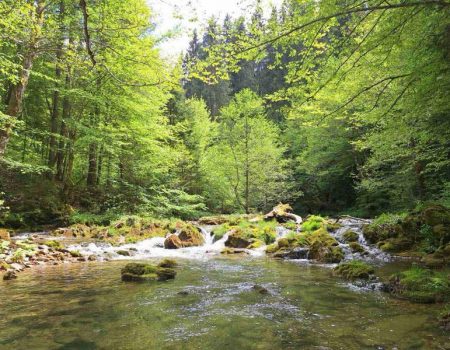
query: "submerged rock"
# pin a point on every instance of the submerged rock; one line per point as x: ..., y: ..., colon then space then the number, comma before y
x: 260, y: 289
x: 9, y: 275
x: 124, y: 252
x: 236, y: 239
x: 135, y: 272
x: 170, y: 263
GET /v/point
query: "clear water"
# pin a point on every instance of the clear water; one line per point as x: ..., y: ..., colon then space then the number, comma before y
x: 86, y: 306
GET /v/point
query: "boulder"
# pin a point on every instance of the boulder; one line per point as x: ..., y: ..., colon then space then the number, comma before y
x: 354, y: 270
x: 190, y: 236
x: 292, y: 253
x: 236, y: 240
x: 173, y: 242
x: 124, y: 252
x: 135, y: 272
x: 350, y: 236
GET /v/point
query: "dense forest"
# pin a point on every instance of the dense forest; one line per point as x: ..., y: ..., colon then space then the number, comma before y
x: 332, y: 106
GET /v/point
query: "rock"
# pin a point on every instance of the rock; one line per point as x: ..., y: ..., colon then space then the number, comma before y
x: 124, y: 252
x: 292, y: 253
x: 230, y: 251
x: 419, y: 285
x: 260, y: 289
x: 356, y: 247
x: 75, y: 254
x: 235, y: 240
x: 324, y: 247
x: 170, y: 263
x: 173, y: 242
x: 4, y: 235
x: 9, y: 275
x: 92, y: 257
x: 282, y: 213
x: 354, y: 270
x: 444, y: 319
x: 190, y: 236
x: 183, y: 292
x: 350, y: 236
x: 145, y: 272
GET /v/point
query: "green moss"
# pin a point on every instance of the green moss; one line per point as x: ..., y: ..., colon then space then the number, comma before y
x: 146, y: 272
x: 356, y: 247
x: 75, y: 254
x: 290, y: 225
x: 420, y: 285
x: 256, y: 244
x: 324, y: 247
x: 170, y: 263
x: 350, y: 236
x: 272, y: 248
x: 313, y: 223
x: 54, y: 244
x: 220, y: 231
x: 354, y: 270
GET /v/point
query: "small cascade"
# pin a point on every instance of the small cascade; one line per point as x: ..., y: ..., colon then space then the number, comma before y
x: 371, y: 253
x: 154, y: 248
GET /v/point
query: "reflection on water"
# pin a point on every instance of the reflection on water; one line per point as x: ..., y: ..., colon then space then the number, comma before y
x: 210, y: 305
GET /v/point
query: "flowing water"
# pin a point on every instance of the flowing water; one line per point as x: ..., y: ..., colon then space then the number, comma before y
x: 212, y: 304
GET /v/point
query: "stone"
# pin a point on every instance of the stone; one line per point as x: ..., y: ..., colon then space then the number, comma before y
x: 173, y: 242
x: 260, y: 289
x: 9, y: 275
x: 136, y: 272
x: 170, y: 263
x: 190, y: 236
x: 124, y: 252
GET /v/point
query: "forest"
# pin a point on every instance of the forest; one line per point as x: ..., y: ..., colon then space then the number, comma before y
x: 281, y: 183
x: 335, y: 108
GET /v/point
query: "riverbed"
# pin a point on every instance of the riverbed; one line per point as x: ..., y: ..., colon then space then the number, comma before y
x: 210, y: 305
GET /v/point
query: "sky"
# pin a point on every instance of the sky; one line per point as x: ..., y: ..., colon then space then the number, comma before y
x: 181, y: 17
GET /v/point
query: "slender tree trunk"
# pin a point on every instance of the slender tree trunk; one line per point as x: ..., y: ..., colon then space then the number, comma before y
x: 52, y: 155
x: 15, y: 102
x: 63, y: 133
x: 247, y: 169
x: 91, y: 180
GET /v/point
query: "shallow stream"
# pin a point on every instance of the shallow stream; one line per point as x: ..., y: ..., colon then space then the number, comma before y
x: 210, y: 305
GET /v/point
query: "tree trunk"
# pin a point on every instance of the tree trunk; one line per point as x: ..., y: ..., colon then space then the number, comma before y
x: 63, y: 134
x: 91, y: 180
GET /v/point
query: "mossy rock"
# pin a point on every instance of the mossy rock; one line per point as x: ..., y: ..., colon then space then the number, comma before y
x: 145, y: 272
x: 173, y: 242
x: 54, y: 244
x: 237, y: 240
x: 356, y: 247
x: 124, y: 252
x: 354, y: 270
x: 333, y: 226
x: 395, y: 245
x: 75, y: 254
x: 434, y: 261
x: 256, y: 244
x: 283, y: 243
x: 167, y: 263
x: 313, y: 223
x: 419, y: 285
x: 190, y: 236
x: 350, y: 236
x: 324, y: 247
x: 272, y: 248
